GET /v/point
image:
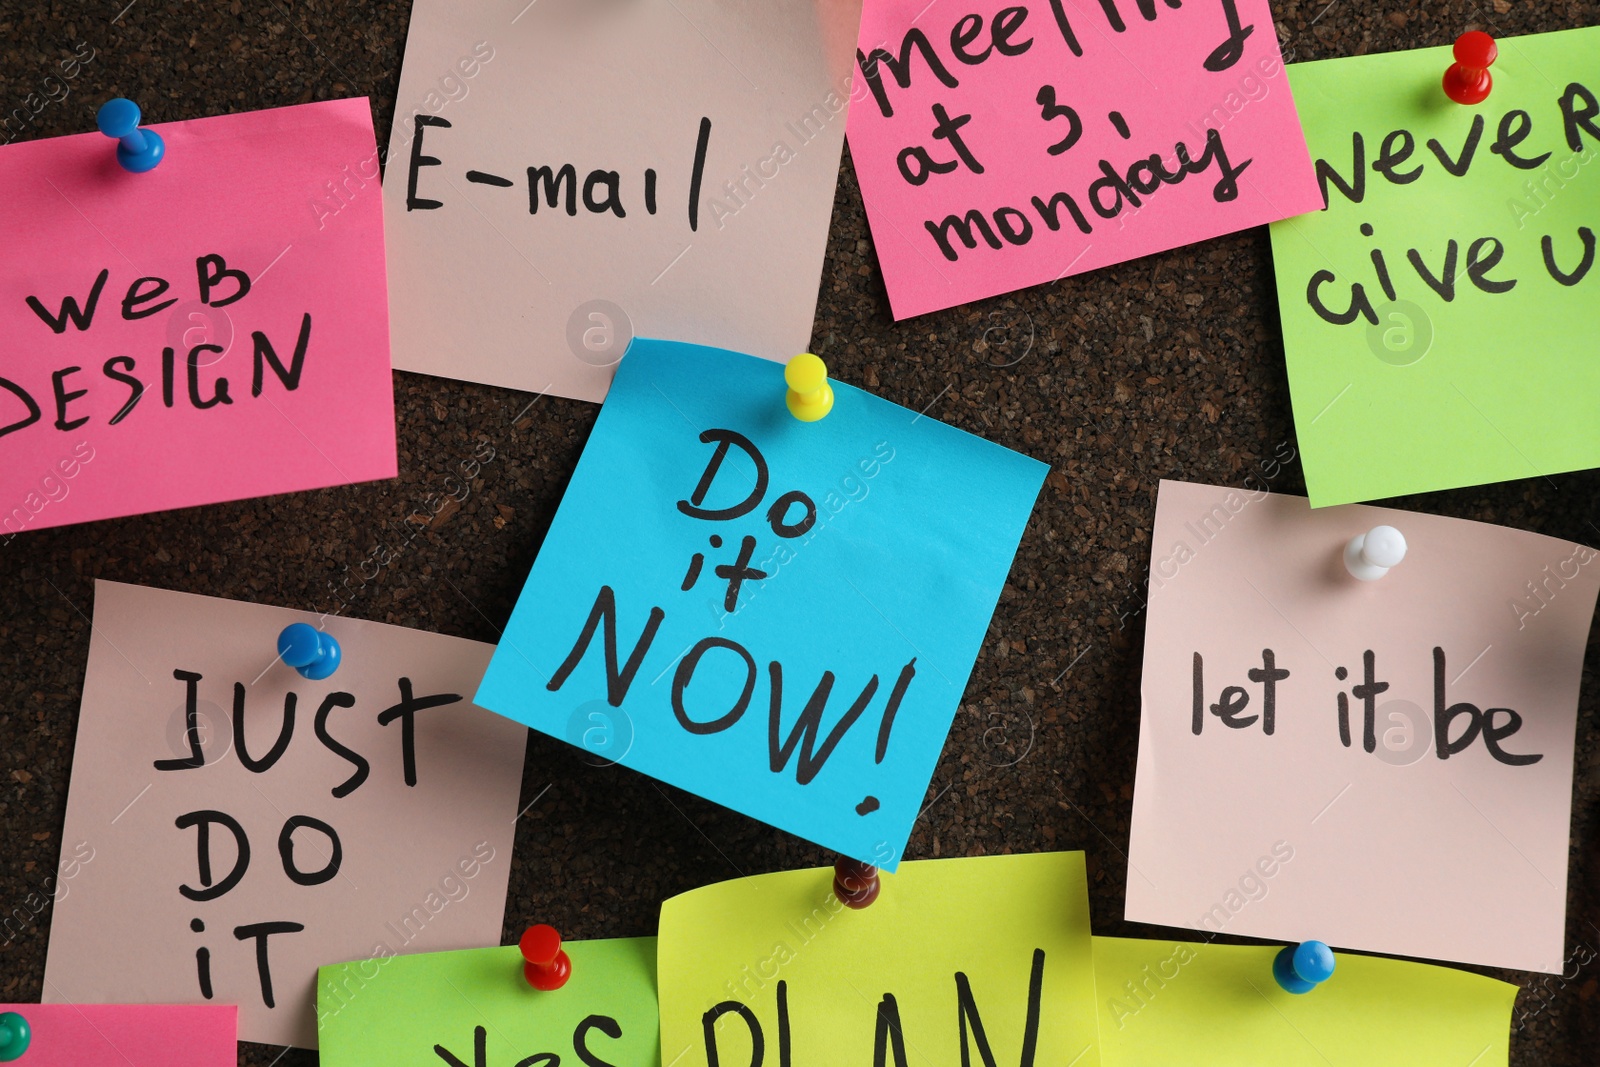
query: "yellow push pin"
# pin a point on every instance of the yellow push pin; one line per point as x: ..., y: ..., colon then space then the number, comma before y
x: 810, y: 396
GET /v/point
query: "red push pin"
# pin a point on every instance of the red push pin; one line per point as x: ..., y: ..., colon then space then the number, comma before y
x: 855, y: 883
x: 1468, y: 80
x: 548, y: 967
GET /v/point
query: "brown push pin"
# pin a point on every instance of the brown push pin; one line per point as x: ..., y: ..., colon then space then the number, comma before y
x: 1467, y: 81
x: 547, y: 965
x: 855, y: 883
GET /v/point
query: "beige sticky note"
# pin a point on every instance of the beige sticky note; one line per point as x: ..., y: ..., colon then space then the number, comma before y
x: 568, y: 174
x: 324, y: 821
x: 1381, y: 765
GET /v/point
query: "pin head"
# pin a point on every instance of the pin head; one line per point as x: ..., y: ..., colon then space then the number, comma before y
x: 1301, y: 968
x: 810, y: 396
x: 1467, y: 81
x: 138, y: 150
x: 15, y: 1036
x: 314, y: 654
x: 118, y: 117
x: 1476, y: 49
x: 546, y: 966
x: 856, y: 884
x: 1369, y: 556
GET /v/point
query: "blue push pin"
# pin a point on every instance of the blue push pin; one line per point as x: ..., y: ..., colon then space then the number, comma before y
x: 14, y: 1036
x: 308, y: 650
x: 1301, y: 968
x: 137, y: 150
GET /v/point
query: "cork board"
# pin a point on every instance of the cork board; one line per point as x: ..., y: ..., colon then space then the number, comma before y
x: 1169, y: 366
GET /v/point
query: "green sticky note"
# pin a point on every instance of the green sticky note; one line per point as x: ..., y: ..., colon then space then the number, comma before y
x: 965, y: 961
x: 475, y: 1008
x: 1454, y: 268
x: 1200, y: 1005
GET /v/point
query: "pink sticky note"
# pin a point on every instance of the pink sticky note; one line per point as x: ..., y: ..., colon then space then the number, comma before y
x: 129, y: 1035
x: 1382, y: 765
x: 233, y: 826
x: 96, y: 420
x: 1010, y: 146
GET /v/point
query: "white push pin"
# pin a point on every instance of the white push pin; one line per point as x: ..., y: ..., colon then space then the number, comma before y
x: 1369, y: 556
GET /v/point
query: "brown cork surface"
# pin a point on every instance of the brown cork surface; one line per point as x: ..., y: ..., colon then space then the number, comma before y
x: 1170, y: 366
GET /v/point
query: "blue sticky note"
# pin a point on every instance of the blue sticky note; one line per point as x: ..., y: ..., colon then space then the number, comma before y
x: 778, y: 616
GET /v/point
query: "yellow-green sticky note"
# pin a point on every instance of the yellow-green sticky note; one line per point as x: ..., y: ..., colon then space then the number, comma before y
x: 474, y: 1008
x: 1186, y: 1004
x: 963, y: 961
x: 1439, y: 315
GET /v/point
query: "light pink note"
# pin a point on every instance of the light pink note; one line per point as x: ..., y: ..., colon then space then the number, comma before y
x: 129, y: 1035
x: 565, y: 176
x: 369, y: 814
x: 994, y: 87
x: 290, y: 198
x: 1436, y: 829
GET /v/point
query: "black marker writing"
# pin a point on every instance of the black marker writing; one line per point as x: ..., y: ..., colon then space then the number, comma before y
x: 1399, y: 162
x: 556, y: 186
x: 1456, y: 726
